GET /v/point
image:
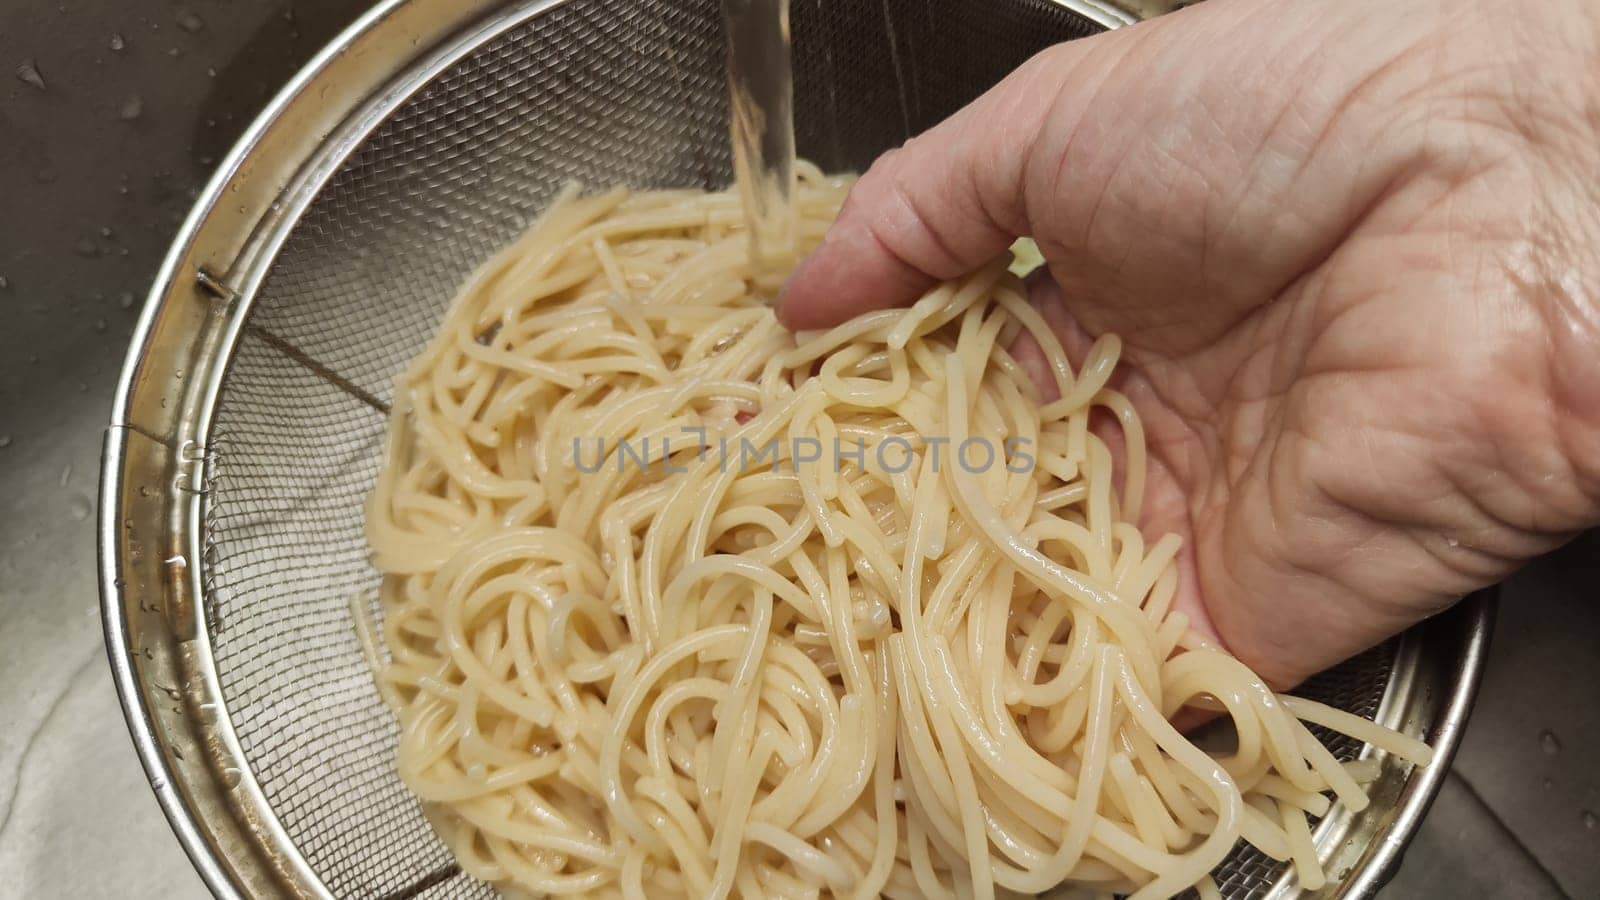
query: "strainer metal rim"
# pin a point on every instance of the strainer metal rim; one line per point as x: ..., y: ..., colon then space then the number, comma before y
x: 150, y: 542
x: 293, y: 109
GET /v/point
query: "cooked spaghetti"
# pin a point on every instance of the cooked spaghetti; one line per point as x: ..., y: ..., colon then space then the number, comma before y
x: 678, y: 603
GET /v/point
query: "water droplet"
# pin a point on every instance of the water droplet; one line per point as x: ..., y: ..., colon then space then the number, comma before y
x: 125, y: 300
x: 131, y: 108
x: 100, y: 325
x: 81, y: 508
x: 66, y: 475
x: 174, y: 51
x: 116, y: 42
x: 230, y: 777
x: 1549, y: 743
x: 5, y: 441
x: 210, y: 72
x: 190, y: 22
x: 122, y: 189
x: 4, y: 283
x: 1590, y: 820
x: 105, y: 231
x: 28, y: 73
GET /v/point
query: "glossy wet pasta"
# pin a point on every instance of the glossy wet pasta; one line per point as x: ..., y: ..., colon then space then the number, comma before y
x: 677, y: 603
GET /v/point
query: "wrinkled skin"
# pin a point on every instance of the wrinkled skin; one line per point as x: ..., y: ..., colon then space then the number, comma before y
x: 1353, y: 250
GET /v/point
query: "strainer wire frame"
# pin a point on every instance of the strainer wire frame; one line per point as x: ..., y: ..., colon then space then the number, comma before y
x: 155, y: 456
x: 159, y: 439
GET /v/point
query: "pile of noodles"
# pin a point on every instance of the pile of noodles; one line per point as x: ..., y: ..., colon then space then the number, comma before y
x: 679, y: 604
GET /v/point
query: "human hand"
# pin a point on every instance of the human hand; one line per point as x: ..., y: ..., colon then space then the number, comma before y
x: 1353, y: 251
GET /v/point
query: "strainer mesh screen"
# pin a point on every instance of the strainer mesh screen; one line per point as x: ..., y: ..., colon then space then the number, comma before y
x: 599, y: 91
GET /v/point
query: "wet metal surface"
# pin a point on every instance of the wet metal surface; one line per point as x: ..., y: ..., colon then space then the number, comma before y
x: 112, y: 114
x: 1532, y: 751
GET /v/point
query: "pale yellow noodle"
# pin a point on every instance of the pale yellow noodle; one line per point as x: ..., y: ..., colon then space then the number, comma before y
x: 631, y: 660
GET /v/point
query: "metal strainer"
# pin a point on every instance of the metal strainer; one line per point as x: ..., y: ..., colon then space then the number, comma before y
x: 251, y: 413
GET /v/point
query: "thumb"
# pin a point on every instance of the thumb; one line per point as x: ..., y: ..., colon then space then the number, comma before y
x: 936, y: 208
x: 1213, y: 155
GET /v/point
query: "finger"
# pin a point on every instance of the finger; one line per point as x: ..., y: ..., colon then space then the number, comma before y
x: 1189, y: 719
x: 1177, y: 174
x: 935, y: 209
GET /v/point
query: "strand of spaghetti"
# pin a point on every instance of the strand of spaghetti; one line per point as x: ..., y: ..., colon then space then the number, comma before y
x: 677, y: 604
x: 1047, y: 573
x: 1407, y: 748
x: 628, y: 700
x: 1229, y: 806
